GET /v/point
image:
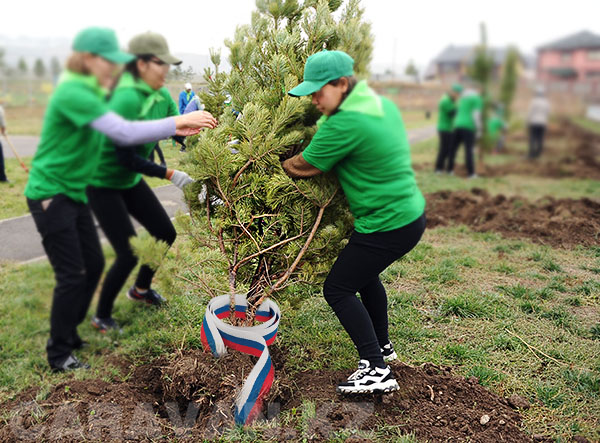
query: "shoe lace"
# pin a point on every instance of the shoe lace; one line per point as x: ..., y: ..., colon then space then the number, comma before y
x: 362, y: 370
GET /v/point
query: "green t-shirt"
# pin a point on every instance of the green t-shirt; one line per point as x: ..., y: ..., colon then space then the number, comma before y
x: 446, y: 110
x: 495, y: 125
x: 365, y: 143
x: 67, y: 155
x: 466, y: 106
x: 133, y: 99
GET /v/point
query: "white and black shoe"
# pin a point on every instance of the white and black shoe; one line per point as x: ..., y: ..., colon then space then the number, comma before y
x: 368, y: 379
x: 388, y: 352
x: 69, y: 364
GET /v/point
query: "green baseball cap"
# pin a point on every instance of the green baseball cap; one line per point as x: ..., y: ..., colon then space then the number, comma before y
x: 457, y: 87
x: 102, y: 42
x: 155, y: 44
x: 321, y: 68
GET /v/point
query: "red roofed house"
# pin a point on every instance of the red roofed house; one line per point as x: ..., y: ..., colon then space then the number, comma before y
x: 571, y: 63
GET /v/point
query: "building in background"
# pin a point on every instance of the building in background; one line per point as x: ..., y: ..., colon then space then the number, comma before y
x: 571, y: 64
x: 452, y: 65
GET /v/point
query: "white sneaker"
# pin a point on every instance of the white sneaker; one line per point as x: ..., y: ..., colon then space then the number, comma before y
x: 388, y: 352
x: 367, y: 380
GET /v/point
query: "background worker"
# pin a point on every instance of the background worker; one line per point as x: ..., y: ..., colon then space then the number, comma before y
x: 185, y: 96
x: 76, y: 120
x: 537, y: 120
x: 3, y: 178
x: 466, y: 125
x: 118, y: 190
x: 446, y: 113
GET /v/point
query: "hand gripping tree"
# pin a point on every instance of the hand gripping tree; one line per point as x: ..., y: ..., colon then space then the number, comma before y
x: 270, y: 229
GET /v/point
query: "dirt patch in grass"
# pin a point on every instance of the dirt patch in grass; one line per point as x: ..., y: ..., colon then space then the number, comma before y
x: 569, y: 152
x: 556, y: 222
x: 190, y: 395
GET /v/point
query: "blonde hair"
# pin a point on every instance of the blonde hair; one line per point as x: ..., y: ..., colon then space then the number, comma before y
x: 76, y: 63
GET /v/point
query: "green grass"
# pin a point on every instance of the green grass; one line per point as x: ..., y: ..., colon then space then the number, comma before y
x: 459, y: 298
x: 25, y: 120
x: 588, y: 124
x: 447, y: 306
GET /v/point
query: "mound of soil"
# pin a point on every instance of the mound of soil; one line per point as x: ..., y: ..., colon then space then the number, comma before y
x: 189, y: 396
x: 556, y: 222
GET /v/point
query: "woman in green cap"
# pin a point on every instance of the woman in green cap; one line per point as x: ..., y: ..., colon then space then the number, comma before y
x: 76, y: 119
x: 118, y: 189
x: 361, y: 137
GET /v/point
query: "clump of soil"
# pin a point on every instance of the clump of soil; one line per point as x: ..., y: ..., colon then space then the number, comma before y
x: 556, y: 222
x: 189, y: 396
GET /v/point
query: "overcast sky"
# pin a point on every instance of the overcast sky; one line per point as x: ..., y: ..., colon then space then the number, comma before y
x: 403, y: 30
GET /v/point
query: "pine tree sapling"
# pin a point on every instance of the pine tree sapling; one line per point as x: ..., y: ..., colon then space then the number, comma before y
x: 509, y: 81
x: 481, y: 71
x: 271, y: 229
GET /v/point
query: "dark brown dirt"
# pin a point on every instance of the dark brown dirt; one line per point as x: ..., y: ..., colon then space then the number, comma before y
x: 152, y: 404
x: 556, y: 222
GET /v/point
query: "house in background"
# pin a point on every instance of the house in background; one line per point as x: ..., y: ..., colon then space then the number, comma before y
x: 453, y: 63
x: 571, y: 64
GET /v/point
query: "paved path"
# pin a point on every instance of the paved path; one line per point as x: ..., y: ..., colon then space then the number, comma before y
x: 24, y: 144
x: 20, y: 241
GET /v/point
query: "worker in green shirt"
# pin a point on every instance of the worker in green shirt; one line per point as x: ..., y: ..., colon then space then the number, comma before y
x: 361, y: 137
x: 76, y: 120
x: 496, y: 128
x: 446, y: 112
x: 466, y: 125
x: 118, y: 190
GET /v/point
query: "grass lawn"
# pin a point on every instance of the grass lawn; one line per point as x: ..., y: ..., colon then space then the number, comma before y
x: 414, y: 119
x: 474, y: 301
x: 25, y: 120
x: 588, y: 124
x: 523, y: 318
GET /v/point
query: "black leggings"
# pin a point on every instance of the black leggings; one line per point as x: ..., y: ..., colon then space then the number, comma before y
x: 112, y: 208
x: 444, y: 150
x: 467, y: 137
x: 536, y: 140
x: 357, y: 269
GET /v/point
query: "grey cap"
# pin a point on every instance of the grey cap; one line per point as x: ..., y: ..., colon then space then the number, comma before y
x: 152, y: 43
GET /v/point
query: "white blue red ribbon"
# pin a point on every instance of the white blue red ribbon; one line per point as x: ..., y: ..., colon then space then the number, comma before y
x: 218, y: 335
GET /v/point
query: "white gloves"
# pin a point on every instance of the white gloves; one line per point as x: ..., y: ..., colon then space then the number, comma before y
x: 180, y: 179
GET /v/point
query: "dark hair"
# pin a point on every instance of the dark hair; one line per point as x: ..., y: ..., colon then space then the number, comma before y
x: 132, y: 68
x: 352, y: 81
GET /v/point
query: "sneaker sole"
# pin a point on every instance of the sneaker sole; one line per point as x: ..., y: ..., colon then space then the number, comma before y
x: 100, y: 329
x: 389, y: 386
x: 392, y: 356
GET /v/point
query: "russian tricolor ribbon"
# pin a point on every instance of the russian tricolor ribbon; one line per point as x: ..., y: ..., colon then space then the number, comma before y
x: 254, y: 340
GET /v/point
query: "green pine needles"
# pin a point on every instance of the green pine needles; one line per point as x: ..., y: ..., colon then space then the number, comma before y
x: 270, y: 229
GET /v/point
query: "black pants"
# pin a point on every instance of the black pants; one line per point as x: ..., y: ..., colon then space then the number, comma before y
x: 444, y: 151
x: 73, y: 248
x: 357, y: 269
x: 112, y: 208
x: 467, y: 137
x: 2, y: 172
x: 536, y: 140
